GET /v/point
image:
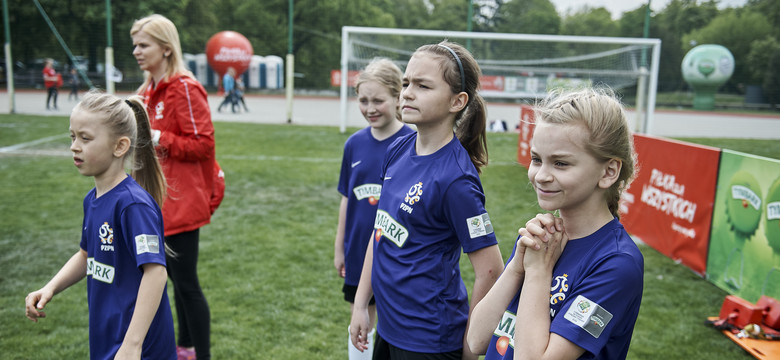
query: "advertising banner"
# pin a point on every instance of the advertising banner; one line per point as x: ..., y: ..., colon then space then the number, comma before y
x: 335, y: 77
x: 744, y: 254
x: 670, y: 202
x: 491, y: 83
x: 526, y: 129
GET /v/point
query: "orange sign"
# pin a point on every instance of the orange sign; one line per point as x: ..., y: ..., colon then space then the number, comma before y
x: 669, y: 204
x: 526, y: 128
x: 335, y: 77
x: 491, y: 83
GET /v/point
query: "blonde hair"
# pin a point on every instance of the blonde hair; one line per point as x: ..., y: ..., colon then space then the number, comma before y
x: 599, y: 110
x: 129, y: 118
x: 386, y: 73
x: 164, y: 32
x: 471, y: 122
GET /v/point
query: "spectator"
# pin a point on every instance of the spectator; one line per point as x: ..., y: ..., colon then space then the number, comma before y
x: 50, y: 81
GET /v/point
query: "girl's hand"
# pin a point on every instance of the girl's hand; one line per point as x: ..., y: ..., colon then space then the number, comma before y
x: 359, y: 328
x: 535, y: 235
x: 547, y: 254
x: 127, y: 352
x: 338, y: 262
x: 34, y: 303
x: 516, y: 263
x: 541, y: 226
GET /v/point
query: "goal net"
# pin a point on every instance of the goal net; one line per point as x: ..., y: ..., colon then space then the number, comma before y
x: 517, y: 66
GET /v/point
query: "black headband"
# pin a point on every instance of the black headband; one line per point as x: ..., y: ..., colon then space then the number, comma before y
x: 460, y: 67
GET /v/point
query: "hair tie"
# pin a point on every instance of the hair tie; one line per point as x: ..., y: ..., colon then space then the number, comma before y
x: 460, y: 67
x: 129, y: 103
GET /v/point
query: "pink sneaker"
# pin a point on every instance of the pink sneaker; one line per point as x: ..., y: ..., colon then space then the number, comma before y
x: 183, y: 353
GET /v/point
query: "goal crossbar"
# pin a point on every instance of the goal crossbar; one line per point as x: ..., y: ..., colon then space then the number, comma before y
x: 645, y: 74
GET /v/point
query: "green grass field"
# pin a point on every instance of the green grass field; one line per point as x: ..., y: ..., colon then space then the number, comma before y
x: 266, y: 259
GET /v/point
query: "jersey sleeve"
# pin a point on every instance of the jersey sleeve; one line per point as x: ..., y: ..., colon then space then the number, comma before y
x: 83, y: 242
x: 142, y: 227
x: 187, y: 104
x: 393, y: 152
x: 602, y: 304
x: 464, y: 207
x: 344, y: 175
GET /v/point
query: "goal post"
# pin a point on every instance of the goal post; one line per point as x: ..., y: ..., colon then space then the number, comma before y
x: 518, y: 66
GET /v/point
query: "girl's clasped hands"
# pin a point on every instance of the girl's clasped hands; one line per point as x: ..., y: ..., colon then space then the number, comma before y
x: 540, y: 244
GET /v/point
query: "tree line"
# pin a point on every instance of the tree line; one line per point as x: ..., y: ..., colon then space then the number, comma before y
x: 750, y: 32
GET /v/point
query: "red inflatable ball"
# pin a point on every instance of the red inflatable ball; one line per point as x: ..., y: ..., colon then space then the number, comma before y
x: 229, y: 49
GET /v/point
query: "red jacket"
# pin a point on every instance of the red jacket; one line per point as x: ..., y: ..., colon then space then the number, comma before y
x: 179, y: 109
x: 49, y: 77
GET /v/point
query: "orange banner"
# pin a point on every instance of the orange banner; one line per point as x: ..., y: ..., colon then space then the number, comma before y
x: 526, y: 129
x: 335, y: 77
x: 669, y: 204
x: 491, y: 83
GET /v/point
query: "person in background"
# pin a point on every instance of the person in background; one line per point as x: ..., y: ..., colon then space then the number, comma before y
x: 378, y: 87
x: 122, y: 244
x: 239, y: 94
x: 74, y: 84
x: 573, y: 285
x: 431, y: 207
x: 183, y: 134
x: 229, y: 86
x: 50, y: 81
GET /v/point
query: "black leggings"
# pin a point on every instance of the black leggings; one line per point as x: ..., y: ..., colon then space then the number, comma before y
x: 383, y: 350
x: 192, y: 310
x: 51, y: 93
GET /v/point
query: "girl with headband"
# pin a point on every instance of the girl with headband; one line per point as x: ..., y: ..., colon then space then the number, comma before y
x: 378, y: 88
x: 432, y: 205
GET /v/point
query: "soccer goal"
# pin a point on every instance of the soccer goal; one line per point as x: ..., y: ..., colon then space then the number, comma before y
x: 518, y: 66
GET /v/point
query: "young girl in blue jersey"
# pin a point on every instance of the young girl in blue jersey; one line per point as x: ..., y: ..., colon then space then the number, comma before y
x: 122, y: 252
x: 432, y: 205
x: 378, y: 88
x: 582, y: 158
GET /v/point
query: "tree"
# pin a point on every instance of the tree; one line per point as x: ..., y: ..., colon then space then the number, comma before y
x: 770, y: 9
x: 771, y: 85
x: 317, y: 38
x: 200, y: 21
x: 763, y: 61
x: 82, y: 26
x: 632, y: 23
x: 263, y: 23
x: 590, y: 22
x: 411, y: 14
x: 676, y: 19
x: 317, y: 33
x: 527, y: 17
x: 448, y: 15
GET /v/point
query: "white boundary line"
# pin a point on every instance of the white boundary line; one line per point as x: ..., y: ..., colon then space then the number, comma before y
x: 13, y: 148
x: 18, y: 149
x: 60, y: 153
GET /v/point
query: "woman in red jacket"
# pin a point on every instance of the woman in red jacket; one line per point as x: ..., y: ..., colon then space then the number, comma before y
x: 50, y: 78
x: 184, y: 138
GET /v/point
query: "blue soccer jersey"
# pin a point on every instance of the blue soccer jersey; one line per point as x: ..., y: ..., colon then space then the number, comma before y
x: 361, y: 182
x: 594, y: 298
x: 123, y: 229
x: 431, y: 207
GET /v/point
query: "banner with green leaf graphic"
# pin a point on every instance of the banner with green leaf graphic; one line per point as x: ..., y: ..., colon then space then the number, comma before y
x: 744, y: 254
